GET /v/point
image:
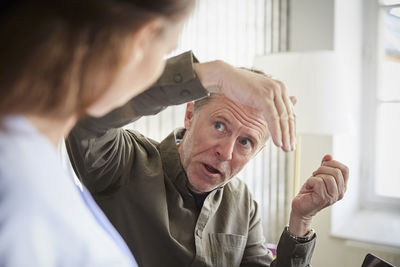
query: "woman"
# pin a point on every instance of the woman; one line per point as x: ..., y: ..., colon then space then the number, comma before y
x: 61, y: 60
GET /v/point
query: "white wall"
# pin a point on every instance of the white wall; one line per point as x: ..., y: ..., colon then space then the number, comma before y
x: 304, y: 33
x: 332, y: 251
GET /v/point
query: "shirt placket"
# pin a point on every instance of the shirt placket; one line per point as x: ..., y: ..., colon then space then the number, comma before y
x: 203, y: 252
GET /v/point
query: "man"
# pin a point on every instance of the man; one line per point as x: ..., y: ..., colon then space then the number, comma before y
x: 177, y: 203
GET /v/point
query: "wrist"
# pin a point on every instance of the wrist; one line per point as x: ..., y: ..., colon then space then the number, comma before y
x: 209, y: 74
x: 299, y: 225
x: 301, y: 239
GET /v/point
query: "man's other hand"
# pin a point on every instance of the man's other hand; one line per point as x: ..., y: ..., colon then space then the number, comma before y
x: 326, y: 186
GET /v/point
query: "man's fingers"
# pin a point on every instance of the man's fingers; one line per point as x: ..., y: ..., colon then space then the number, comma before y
x: 336, y: 174
x: 293, y: 99
x: 327, y: 157
x: 331, y: 189
x: 273, y: 122
x: 343, y: 168
x: 313, y: 184
x: 325, y: 188
x: 281, y: 101
x: 291, y: 118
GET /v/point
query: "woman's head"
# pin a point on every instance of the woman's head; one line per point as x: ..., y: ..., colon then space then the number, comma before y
x: 63, y: 57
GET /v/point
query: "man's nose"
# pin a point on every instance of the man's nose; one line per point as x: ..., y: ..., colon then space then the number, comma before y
x: 224, y: 149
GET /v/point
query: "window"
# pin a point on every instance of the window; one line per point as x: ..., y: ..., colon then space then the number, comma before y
x: 388, y: 109
x: 368, y: 218
x: 381, y: 144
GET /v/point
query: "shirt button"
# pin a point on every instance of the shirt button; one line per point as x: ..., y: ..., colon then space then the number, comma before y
x: 178, y: 78
x: 185, y: 93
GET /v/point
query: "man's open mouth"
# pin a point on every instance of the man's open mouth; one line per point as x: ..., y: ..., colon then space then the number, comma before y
x: 211, y: 169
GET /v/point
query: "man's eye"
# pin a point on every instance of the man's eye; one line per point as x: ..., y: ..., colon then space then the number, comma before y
x: 219, y: 126
x: 245, y: 142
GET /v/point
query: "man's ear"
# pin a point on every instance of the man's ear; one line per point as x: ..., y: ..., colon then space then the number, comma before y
x: 189, y: 114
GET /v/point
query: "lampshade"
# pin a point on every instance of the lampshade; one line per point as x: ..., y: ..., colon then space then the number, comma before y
x: 315, y: 79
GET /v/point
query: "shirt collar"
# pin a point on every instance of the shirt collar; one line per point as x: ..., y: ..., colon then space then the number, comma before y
x: 172, y: 162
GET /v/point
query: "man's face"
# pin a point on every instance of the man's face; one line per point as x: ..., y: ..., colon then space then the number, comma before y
x: 221, y: 137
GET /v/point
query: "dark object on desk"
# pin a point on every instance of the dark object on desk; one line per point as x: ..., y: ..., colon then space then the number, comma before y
x: 373, y: 261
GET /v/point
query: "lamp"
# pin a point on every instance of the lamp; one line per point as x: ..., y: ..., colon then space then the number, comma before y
x: 315, y: 79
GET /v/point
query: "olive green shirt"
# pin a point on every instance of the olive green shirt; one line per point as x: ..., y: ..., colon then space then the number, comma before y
x: 141, y: 186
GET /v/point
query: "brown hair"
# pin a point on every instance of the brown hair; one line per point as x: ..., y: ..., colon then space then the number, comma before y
x: 61, y: 56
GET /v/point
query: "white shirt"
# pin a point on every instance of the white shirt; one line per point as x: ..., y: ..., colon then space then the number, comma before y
x: 44, y: 218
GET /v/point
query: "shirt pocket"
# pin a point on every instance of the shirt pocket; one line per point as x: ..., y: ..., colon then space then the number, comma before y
x: 227, y: 249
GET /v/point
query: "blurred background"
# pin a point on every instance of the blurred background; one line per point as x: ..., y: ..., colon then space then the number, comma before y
x: 341, y: 58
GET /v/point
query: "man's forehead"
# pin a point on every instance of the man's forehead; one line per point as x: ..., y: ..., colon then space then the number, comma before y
x: 236, y: 114
x: 216, y: 100
x: 221, y: 103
